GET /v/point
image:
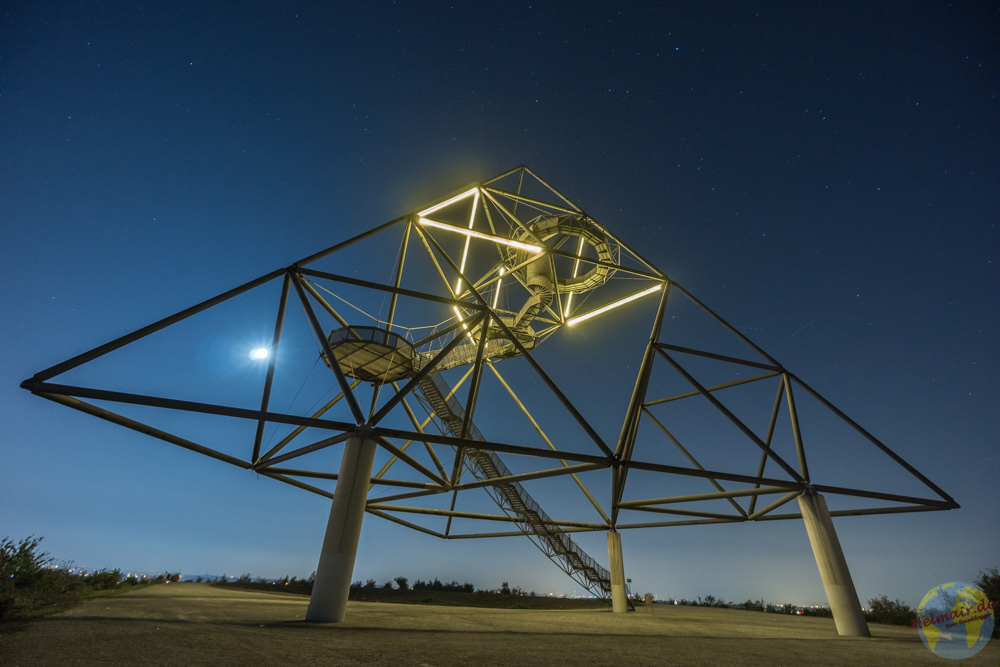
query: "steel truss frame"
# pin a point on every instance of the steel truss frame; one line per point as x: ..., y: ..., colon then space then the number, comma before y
x: 478, y: 315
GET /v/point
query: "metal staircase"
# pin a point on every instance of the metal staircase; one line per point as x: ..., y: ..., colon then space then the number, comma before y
x: 513, y: 499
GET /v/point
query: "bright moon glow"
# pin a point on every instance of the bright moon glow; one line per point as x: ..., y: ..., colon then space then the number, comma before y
x: 259, y: 353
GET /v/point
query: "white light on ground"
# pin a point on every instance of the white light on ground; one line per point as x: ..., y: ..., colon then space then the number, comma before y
x: 259, y: 353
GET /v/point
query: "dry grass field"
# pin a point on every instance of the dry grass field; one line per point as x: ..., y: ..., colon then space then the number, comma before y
x: 196, y: 624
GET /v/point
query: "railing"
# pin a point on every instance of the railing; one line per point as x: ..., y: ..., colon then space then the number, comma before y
x: 532, y: 519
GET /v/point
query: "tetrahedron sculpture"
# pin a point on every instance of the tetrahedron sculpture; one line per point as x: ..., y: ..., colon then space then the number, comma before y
x: 483, y: 281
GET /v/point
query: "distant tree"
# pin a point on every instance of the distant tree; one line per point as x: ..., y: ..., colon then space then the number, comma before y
x: 197, y: 581
x: 370, y: 583
x: 401, y: 582
x: 244, y: 578
x: 504, y: 588
x: 387, y: 586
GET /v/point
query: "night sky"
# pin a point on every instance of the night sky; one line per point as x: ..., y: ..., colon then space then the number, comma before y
x: 823, y: 176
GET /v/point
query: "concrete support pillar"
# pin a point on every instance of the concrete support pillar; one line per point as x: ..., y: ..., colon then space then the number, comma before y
x: 619, y: 604
x: 340, y: 546
x: 832, y: 565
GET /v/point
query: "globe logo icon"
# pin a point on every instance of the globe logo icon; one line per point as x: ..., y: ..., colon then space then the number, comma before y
x: 955, y: 620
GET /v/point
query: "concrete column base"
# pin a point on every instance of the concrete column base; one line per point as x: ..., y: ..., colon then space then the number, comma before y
x: 619, y: 603
x: 328, y: 602
x: 840, y: 591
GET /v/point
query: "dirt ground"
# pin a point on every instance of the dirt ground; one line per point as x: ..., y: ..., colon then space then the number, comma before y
x: 196, y: 624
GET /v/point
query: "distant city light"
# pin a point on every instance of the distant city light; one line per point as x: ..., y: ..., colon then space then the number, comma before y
x: 259, y: 353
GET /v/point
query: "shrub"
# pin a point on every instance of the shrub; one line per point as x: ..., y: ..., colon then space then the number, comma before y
x: 401, y: 582
x: 890, y: 612
x: 989, y: 582
x: 28, y: 580
x: 104, y: 579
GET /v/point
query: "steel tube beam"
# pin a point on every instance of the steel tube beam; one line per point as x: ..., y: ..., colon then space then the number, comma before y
x: 875, y: 441
x: 101, y: 350
x: 349, y: 242
x: 787, y: 498
x: 187, y: 406
x: 712, y: 474
x: 476, y: 515
x: 325, y: 345
x: 269, y: 379
x: 627, y: 504
x: 395, y: 519
x: 733, y: 330
x: 529, y: 200
x: 409, y: 460
x: 389, y: 288
x: 495, y: 446
x: 724, y: 385
x: 796, y: 433
x: 421, y: 374
x: 693, y: 460
x: 548, y: 442
x: 867, y: 511
x: 298, y: 429
x: 731, y: 417
x: 297, y: 483
x: 525, y: 476
x: 721, y: 357
x: 115, y: 418
x: 770, y: 433
x: 316, y: 446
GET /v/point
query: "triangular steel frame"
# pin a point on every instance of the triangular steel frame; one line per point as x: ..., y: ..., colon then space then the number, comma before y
x: 469, y: 300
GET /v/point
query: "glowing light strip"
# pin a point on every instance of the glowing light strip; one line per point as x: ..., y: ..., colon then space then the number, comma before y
x: 454, y: 199
x: 462, y: 320
x: 576, y: 267
x: 608, y: 307
x: 496, y: 296
x: 468, y: 239
x: 479, y: 235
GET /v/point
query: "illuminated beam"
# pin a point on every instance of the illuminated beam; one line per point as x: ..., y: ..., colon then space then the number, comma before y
x: 496, y: 295
x: 458, y: 197
x: 620, y: 302
x: 576, y: 267
x: 427, y: 222
x: 468, y: 239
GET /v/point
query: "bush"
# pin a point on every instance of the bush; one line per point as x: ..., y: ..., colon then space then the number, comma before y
x: 401, y: 582
x: 104, y: 579
x: 890, y: 612
x: 989, y: 582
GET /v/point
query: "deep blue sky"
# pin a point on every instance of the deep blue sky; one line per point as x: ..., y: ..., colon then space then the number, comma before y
x: 823, y: 176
